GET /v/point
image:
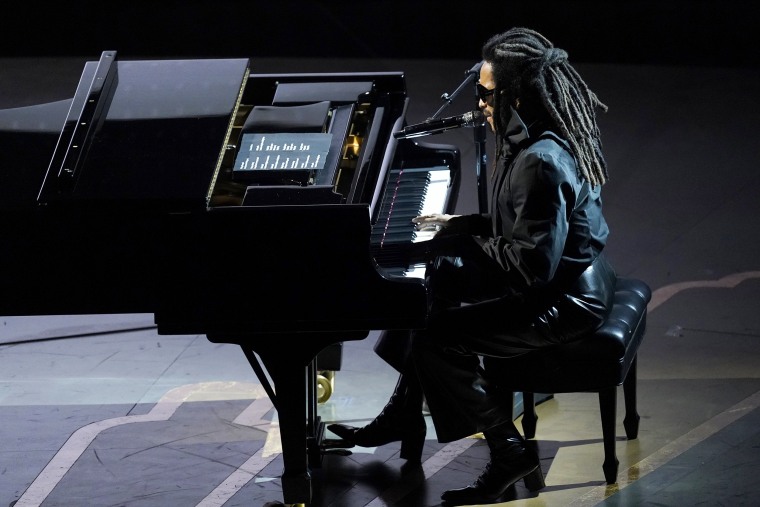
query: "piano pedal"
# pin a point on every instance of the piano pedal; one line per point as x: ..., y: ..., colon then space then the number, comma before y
x: 336, y: 446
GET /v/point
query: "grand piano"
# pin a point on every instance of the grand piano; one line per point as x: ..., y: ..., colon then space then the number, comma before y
x: 267, y: 211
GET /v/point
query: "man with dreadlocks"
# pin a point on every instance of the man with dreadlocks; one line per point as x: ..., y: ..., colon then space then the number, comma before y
x: 527, y: 275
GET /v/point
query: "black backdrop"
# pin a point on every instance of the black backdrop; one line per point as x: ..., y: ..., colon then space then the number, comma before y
x: 682, y: 32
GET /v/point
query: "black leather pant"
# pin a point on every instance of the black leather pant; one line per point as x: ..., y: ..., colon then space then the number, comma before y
x: 446, y: 355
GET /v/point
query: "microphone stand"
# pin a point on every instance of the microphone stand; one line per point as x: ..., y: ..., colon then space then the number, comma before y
x: 479, y: 137
x: 481, y: 172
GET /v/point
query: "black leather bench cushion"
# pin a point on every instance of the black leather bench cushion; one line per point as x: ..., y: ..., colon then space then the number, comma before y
x: 599, y: 361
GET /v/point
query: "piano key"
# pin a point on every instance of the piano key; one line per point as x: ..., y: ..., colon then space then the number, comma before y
x: 410, y: 193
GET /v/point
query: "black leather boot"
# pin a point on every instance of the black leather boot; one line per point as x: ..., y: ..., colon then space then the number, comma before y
x: 400, y: 420
x: 511, y: 460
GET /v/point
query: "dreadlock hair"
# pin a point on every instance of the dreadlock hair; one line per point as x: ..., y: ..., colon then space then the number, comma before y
x: 527, y: 66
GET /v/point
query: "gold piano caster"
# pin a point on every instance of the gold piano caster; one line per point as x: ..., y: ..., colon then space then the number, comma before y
x: 325, y: 385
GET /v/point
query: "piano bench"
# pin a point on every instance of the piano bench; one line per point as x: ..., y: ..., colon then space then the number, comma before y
x: 597, y: 363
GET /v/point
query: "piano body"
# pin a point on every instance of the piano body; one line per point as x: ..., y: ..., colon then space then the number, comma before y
x: 150, y: 191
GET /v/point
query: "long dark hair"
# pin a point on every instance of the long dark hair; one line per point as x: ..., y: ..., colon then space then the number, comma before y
x: 527, y: 66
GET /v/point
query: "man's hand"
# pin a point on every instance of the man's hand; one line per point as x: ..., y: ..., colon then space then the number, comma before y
x: 433, y: 222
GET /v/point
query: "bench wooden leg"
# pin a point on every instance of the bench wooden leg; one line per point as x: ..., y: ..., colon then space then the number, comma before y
x: 631, y: 420
x: 608, y: 409
x: 529, y: 418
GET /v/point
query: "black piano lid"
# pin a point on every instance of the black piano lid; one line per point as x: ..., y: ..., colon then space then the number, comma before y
x: 155, y: 135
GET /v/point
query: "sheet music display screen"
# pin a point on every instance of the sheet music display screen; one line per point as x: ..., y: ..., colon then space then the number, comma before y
x: 282, y: 151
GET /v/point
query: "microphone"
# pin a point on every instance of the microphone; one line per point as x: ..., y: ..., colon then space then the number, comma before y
x: 438, y: 125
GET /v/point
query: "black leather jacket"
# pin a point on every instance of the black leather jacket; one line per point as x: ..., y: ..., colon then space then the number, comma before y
x: 545, y: 232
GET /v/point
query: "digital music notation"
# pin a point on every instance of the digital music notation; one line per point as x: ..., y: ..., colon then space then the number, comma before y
x: 282, y: 151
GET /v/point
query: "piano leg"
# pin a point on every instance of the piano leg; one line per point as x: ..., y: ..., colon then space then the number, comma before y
x: 290, y: 380
x: 293, y: 391
x: 315, y: 428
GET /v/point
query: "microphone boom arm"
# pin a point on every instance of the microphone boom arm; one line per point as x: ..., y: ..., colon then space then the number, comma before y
x: 470, y: 75
x: 479, y: 136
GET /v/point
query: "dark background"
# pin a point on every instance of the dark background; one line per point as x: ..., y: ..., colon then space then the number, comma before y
x: 683, y: 32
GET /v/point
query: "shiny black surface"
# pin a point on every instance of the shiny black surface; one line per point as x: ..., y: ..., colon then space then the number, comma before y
x: 136, y: 231
x: 270, y: 280
x: 144, y: 218
x: 160, y: 136
x: 96, y: 244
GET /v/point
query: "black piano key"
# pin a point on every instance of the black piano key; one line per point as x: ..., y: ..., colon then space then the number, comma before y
x: 403, y: 200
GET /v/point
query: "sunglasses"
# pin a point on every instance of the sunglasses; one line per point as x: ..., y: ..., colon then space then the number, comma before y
x: 484, y: 93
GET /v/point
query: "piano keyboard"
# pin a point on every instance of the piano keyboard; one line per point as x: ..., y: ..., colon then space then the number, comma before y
x: 410, y: 192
